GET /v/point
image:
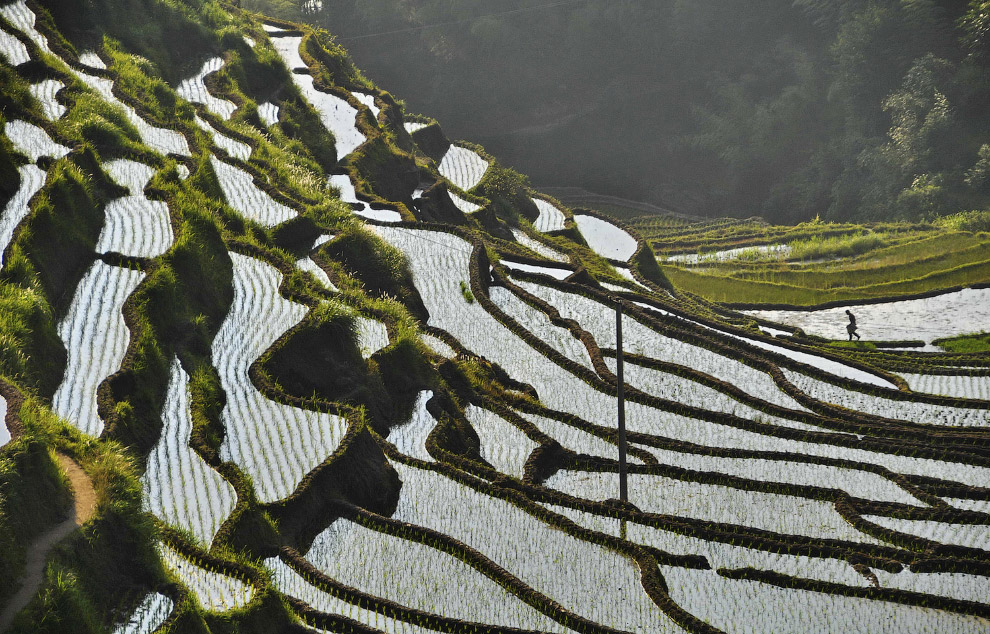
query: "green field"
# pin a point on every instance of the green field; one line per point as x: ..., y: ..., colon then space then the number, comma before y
x: 824, y: 261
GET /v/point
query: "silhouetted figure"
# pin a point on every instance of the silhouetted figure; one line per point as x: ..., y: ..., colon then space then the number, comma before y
x: 851, y: 328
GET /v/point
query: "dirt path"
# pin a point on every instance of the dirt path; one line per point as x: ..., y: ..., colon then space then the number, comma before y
x: 84, y: 501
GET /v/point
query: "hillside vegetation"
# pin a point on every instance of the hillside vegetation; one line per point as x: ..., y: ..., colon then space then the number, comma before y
x: 328, y: 371
x: 751, y: 262
x: 788, y: 109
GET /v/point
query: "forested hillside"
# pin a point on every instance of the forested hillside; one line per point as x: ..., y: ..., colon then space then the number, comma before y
x: 847, y: 109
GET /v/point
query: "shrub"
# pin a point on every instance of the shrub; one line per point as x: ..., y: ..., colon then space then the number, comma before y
x: 974, y: 221
x: 838, y: 246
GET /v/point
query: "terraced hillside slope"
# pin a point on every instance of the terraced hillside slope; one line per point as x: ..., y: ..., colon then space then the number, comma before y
x: 749, y: 262
x: 329, y: 371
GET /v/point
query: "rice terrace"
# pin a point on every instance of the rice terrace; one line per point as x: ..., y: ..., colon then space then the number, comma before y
x: 278, y: 355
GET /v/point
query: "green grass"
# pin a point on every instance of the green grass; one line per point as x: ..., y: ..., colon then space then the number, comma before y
x: 48, y: 256
x: 300, y: 124
x: 114, y: 551
x: 726, y: 289
x: 857, y: 262
x: 59, y: 236
x: 835, y: 247
x: 381, y: 268
x: 145, y: 28
x: 136, y: 76
x: 31, y: 351
x: 912, y: 262
x: 9, y: 162
x: 966, y: 343
x: 35, y: 495
x: 852, y: 345
x: 102, y: 125
x: 177, y: 310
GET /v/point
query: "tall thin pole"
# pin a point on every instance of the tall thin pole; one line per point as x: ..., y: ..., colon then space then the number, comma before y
x: 623, y: 491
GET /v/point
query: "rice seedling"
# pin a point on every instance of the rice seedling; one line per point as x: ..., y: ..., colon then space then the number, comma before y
x: 179, y: 487
x: 236, y: 149
x: 539, y: 324
x: 45, y: 92
x: 275, y: 444
x: 247, y: 198
x: 159, y: 139
x: 194, y: 89
x: 438, y: 346
x: 292, y: 584
x: 13, y: 49
x: 372, y: 336
x: 96, y: 339
x: 570, y: 571
x: 23, y: 19
x: 538, y: 247
x: 742, y: 605
x: 575, y: 439
x: 550, y: 218
x: 419, y: 577
x: 92, y: 59
x: 135, y: 226
x: 557, y: 274
x: 773, y: 251
x: 958, y: 386
x: 148, y: 616
x: 32, y: 141
x: 287, y: 47
x: 337, y: 115
x: 889, y: 408
x: 268, y: 112
x: 410, y: 437
x: 781, y: 514
x: 369, y: 101
x: 606, y: 239
x: 343, y: 183
x: 503, y: 445
x: 465, y: 206
x: 955, y: 313
x: 307, y: 264
x: 965, y: 535
x: 599, y: 320
x: 463, y: 167
x: 215, y: 592
x: 32, y: 180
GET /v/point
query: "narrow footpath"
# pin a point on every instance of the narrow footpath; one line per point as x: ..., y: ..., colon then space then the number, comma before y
x: 84, y: 501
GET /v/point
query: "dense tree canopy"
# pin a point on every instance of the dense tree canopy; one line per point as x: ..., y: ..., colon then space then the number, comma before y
x: 789, y: 109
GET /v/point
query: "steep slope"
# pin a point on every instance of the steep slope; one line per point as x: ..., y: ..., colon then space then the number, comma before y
x: 330, y: 371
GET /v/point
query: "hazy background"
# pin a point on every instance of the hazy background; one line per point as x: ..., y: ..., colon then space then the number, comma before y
x: 866, y: 109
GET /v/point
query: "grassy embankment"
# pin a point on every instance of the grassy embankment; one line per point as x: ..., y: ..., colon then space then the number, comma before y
x: 822, y: 262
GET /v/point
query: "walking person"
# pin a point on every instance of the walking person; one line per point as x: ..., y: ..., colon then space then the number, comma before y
x: 851, y: 328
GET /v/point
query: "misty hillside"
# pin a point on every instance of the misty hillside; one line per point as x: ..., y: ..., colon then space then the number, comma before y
x: 788, y: 109
x: 277, y: 354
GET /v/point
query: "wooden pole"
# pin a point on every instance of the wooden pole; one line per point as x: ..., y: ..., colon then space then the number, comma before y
x: 623, y: 490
